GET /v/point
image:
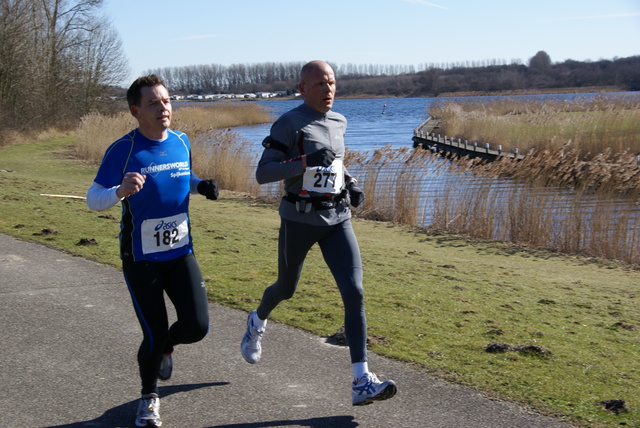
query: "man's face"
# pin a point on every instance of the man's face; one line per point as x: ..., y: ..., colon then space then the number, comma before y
x: 319, y: 88
x: 154, y: 112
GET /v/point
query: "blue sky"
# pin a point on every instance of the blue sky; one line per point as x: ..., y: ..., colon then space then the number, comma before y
x: 165, y: 33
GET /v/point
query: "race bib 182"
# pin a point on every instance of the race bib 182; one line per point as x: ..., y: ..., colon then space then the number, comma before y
x: 163, y: 234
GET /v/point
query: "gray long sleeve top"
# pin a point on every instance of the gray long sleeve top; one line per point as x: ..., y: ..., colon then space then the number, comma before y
x: 318, y: 130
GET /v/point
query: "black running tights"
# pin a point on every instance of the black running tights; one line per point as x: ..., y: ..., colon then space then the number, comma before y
x: 341, y: 253
x: 182, y: 280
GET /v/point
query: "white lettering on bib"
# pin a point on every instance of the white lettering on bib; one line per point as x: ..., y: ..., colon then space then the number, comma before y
x: 324, y: 179
x: 163, y: 234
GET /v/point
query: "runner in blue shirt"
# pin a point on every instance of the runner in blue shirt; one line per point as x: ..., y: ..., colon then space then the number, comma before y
x: 149, y: 172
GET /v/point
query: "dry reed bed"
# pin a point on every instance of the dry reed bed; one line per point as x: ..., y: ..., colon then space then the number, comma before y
x: 563, y: 167
x: 415, y: 187
x: 422, y: 189
x: 587, y: 149
x: 535, y: 125
x: 217, y: 152
x: 393, y: 181
x: 587, y: 143
x: 595, y: 225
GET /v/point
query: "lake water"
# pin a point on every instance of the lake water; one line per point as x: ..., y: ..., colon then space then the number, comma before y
x: 370, y: 123
x: 376, y: 123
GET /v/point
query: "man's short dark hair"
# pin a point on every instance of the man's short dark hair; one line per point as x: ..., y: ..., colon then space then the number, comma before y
x: 134, y: 93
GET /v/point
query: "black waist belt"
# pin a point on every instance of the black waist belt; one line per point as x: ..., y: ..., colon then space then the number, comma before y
x: 318, y: 202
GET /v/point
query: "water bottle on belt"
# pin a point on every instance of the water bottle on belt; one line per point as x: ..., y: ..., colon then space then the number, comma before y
x: 303, y: 204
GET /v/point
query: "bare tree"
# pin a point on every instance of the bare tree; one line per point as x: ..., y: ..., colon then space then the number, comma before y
x: 97, y: 62
x: 56, y: 59
x: 19, y: 57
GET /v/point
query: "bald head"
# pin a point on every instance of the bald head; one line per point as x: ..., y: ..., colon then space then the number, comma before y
x: 313, y: 66
x: 318, y: 85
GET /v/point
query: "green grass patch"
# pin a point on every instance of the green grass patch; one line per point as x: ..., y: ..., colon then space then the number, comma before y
x: 437, y: 301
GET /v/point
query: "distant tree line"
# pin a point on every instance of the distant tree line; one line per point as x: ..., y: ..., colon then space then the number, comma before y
x: 60, y: 59
x: 403, y: 81
x: 57, y: 60
x: 540, y: 74
x: 215, y: 78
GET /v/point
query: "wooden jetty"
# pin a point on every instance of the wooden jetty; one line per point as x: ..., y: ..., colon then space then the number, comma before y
x: 425, y: 136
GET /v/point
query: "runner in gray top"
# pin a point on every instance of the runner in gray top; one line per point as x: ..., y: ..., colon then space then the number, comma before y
x: 305, y: 148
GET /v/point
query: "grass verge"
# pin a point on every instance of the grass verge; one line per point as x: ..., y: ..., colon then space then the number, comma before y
x: 566, y: 330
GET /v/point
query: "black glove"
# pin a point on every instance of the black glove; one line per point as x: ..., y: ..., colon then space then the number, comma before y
x: 208, y: 188
x: 356, y: 195
x: 322, y: 157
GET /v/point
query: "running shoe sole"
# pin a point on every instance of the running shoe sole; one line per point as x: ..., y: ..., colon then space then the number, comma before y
x: 388, y: 392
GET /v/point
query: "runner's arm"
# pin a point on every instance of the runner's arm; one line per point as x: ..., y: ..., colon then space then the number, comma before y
x: 194, y: 183
x: 273, y: 167
x: 100, y: 198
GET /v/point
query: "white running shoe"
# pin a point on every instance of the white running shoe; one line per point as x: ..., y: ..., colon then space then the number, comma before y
x: 251, y: 347
x: 166, y: 366
x: 149, y: 411
x: 370, y: 389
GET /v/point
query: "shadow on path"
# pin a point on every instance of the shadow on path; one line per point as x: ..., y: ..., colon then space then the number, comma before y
x: 124, y: 414
x: 328, y: 421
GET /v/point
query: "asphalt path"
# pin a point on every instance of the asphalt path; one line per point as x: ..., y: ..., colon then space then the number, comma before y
x: 69, y: 340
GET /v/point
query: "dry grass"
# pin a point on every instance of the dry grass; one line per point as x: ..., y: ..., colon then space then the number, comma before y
x: 586, y: 144
x: 97, y: 131
x: 418, y: 188
x: 415, y: 187
x: 224, y: 156
x: 217, y: 152
x: 596, y: 224
x: 577, y: 189
x: 10, y: 136
x: 391, y: 179
x: 221, y: 114
x: 587, y: 125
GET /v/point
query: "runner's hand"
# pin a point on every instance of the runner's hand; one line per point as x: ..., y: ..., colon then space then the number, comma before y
x: 208, y: 188
x: 132, y: 183
x: 356, y: 195
x: 323, y: 157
